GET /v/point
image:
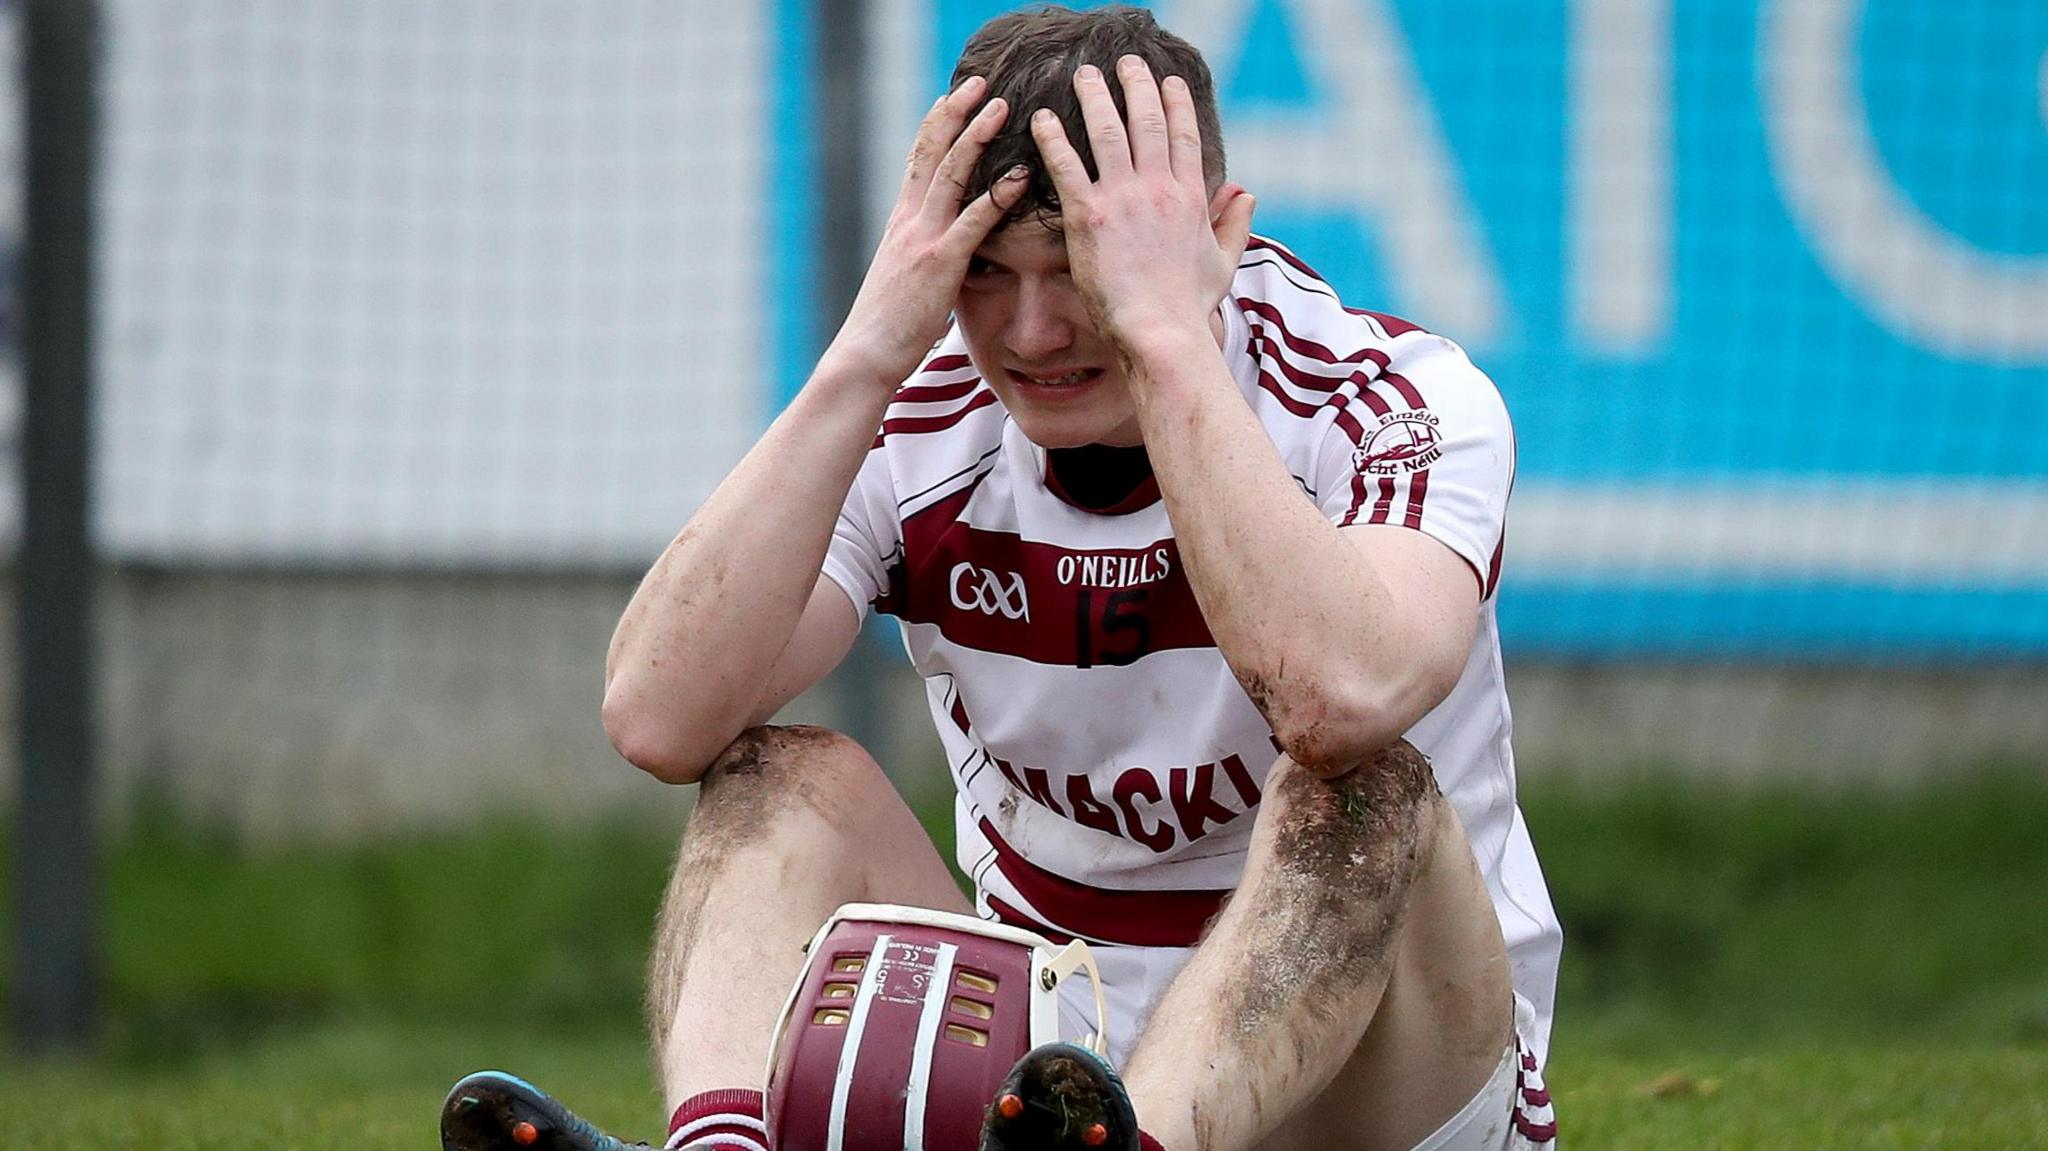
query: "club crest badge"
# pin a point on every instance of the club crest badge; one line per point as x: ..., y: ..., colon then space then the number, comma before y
x: 1403, y: 442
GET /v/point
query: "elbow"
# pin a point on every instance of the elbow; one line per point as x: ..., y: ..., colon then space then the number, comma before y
x: 1331, y: 723
x: 1328, y: 735
x: 654, y: 742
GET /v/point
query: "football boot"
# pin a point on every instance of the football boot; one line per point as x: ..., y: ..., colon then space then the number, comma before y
x: 1060, y: 1097
x: 493, y: 1111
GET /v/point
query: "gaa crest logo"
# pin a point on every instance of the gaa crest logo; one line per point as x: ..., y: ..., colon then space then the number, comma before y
x: 987, y: 592
x: 1403, y: 442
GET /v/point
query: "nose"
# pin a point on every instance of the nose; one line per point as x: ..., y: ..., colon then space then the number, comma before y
x: 1042, y: 326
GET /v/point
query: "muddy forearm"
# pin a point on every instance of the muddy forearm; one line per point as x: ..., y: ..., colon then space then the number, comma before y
x: 1290, y: 975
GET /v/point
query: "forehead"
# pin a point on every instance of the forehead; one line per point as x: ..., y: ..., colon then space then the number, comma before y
x: 1030, y: 242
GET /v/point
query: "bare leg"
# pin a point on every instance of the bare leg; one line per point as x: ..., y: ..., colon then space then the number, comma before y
x: 791, y: 823
x: 1360, y: 944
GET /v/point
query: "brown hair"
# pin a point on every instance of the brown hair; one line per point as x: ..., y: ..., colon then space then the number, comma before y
x: 1029, y: 58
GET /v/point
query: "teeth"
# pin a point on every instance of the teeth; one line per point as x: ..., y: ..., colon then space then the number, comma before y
x: 1057, y: 381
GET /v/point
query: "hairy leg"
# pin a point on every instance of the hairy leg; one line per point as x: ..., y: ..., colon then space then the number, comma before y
x: 1442, y: 1025
x: 1348, y: 950
x: 789, y: 824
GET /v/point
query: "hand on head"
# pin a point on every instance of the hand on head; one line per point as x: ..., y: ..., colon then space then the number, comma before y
x: 904, y: 300
x: 1151, y: 249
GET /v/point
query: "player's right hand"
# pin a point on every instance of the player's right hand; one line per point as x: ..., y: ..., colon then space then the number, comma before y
x: 908, y: 293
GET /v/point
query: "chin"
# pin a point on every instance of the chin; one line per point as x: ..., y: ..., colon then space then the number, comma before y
x: 1064, y: 430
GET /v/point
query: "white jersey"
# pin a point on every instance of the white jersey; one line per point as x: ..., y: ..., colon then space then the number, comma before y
x: 1107, y: 760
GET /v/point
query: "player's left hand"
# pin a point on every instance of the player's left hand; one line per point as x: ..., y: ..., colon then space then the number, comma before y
x: 1152, y: 254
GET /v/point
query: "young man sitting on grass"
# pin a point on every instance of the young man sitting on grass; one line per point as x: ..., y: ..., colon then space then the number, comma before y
x: 1199, y: 567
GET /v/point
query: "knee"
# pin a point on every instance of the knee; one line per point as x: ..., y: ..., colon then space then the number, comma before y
x: 769, y: 770
x: 1367, y: 826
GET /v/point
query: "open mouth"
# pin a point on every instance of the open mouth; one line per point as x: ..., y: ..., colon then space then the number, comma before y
x: 1074, y: 379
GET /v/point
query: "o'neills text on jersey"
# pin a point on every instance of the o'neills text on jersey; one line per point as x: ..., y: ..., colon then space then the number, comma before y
x: 1114, y: 571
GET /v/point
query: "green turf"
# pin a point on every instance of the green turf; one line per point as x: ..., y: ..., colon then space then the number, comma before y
x: 1742, y: 970
x: 378, y: 1085
x: 1796, y: 916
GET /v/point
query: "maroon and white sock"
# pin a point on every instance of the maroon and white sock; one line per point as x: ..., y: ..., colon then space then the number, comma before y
x: 727, y: 1120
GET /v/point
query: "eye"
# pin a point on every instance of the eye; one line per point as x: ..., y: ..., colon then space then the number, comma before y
x: 982, y: 272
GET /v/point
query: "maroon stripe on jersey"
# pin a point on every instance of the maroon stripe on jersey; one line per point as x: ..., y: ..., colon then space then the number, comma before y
x: 952, y: 363
x: 1524, y: 1095
x: 1302, y: 344
x: 1308, y: 381
x: 1418, y: 487
x: 1352, y: 427
x: 924, y: 526
x: 1293, y: 406
x: 1411, y: 395
x: 1408, y: 391
x: 1384, y: 506
x: 997, y: 592
x: 1131, y: 918
x: 1307, y: 410
x: 1357, y: 500
x: 1395, y: 325
x: 934, y: 393
x: 1356, y: 431
x: 959, y: 714
x: 1260, y: 244
x: 1015, y: 918
x: 1371, y: 399
x: 918, y: 425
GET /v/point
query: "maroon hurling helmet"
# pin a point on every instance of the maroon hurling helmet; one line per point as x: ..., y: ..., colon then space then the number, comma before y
x: 903, y: 1024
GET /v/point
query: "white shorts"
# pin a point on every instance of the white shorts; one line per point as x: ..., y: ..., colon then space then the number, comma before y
x: 1512, y: 1112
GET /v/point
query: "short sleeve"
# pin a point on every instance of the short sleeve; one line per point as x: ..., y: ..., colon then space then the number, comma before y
x: 867, y: 540
x: 1426, y: 445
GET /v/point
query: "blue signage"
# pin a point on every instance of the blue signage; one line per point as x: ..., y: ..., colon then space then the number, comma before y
x: 1765, y: 285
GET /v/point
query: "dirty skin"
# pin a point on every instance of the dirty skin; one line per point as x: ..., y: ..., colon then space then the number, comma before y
x: 1260, y: 693
x: 1346, y: 852
x: 734, y: 797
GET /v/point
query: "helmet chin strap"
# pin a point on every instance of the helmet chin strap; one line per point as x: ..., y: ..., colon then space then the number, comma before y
x: 1075, y: 956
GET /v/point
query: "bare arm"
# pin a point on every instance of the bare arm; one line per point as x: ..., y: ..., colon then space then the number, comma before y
x: 1376, y: 623
x: 1378, y: 619
x: 733, y: 619
x: 736, y: 599
x: 1371, y: 633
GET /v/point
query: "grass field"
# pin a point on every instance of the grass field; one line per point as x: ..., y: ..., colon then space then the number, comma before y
x: 1742, y: 970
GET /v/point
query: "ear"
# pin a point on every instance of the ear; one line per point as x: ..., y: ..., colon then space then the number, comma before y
x: 1230, y: 218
